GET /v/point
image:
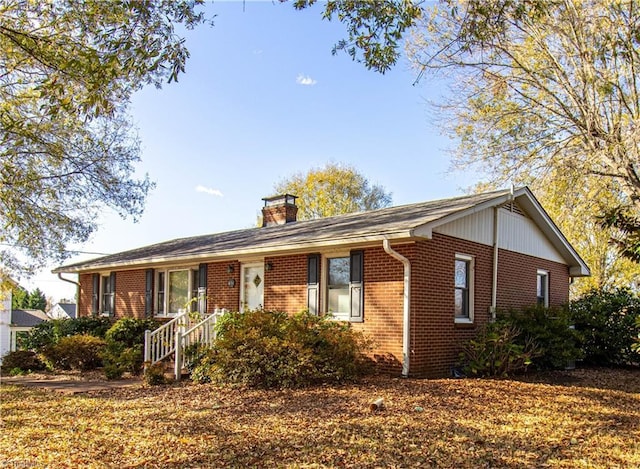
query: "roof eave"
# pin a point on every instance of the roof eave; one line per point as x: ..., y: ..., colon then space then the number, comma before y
x: 239, y: 253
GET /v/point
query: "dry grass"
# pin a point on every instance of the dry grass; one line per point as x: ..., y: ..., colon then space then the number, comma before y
x: 588, y: 418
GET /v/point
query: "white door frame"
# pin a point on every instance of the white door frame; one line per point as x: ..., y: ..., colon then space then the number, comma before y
x: 243, y: 269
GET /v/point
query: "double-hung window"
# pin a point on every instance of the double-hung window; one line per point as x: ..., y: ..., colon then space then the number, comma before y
x: 338, y: 304
x: 338, y: 287
x: 542, y: 288
x: 103, y: 300
x: 463, y: 288
x: 107, y: 293
x: 179, y: 290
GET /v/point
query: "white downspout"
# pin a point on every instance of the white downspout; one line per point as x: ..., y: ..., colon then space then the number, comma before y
x: 406, y: 316
x: 494, y: 281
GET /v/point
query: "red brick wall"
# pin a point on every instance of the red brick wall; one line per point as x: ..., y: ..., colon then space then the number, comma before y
x: 130, y: 290
x: 435, y: 337
x: 517, y: 280
x: 285, y: 285
x: 383, y: 300
x: 219, y: 293
x: 84, y: 295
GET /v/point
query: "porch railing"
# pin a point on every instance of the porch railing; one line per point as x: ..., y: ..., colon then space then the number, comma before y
x: 202, y: 333
x: 174, y: 336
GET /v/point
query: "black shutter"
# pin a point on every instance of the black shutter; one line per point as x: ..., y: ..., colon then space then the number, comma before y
x: 112, y: 294
x: 95, y: 295
x: 356, y: 290
x: 313, y: 283
x: 148, y: 293
x: 202, y: 288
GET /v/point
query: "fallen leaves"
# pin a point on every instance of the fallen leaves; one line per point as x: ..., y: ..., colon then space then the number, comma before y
x: 590, y: 420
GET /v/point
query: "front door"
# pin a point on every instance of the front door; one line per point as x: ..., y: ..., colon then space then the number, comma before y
x: 252, y: 286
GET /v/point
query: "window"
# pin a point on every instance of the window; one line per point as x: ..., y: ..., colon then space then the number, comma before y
x: 160, y: 300
x: 103, y: 297
x: 338, y: 286
x: 106, y: 306
x: 463, y: 280
x: 177, y: 291
x: 542, y: 288
x: 194, y: 290
x: 341, y: 283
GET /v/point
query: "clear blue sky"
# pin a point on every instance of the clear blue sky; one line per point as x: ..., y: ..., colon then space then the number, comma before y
x: 263, y: 98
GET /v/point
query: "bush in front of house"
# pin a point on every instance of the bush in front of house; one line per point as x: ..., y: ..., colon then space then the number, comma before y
x: 22, y: 361
x: 154, y: 374
x: 124, y: 349
x: 551, y: 329
x: 48, y: 333
x: 270, y: 349
x: 608, y: 324
x: 130, y: 331
x: 495, y: 351
x: 77, y: 352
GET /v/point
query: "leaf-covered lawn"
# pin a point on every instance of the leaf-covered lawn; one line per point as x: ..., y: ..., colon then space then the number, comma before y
x: 587, y: 418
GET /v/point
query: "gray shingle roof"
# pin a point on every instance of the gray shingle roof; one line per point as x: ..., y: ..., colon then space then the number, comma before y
x: 392, y: 222
x: 69, y: 308
x: 358, y: 229
x: 27, y: 317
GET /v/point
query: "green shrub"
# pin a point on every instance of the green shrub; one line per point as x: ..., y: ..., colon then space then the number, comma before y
x: 552, y: 331
x: 48, y: 333
x: 154, y: 374
x: 271, y: 349
x: 113, y: 371
x: 118, y: 359
x: 23, y: 360
x: 130, y: 331
x: 125, y: 341
x: 495, y: 351
x: 607, y: 321
x: 78, y: 352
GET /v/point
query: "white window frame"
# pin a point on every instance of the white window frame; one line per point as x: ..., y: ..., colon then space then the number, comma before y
x: 545, y: 277
x: 470, y: 288
x: 165, y: 313
x: 324, y: 277
x: 105, y: 277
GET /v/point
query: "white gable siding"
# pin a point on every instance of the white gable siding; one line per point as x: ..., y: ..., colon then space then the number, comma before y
x: 516, y: 233
x: 477, y: 227
x: 520, y: 234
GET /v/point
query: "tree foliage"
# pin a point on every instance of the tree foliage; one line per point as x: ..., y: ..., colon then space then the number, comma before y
x: 23, y: 299
x: 375, y: 29
x: 67, y: 149
x: 544, y: 91
x: 333, y: 190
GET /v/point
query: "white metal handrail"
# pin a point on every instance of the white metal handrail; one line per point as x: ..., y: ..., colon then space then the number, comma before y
x: 203, y: 333
x: 160, y: 343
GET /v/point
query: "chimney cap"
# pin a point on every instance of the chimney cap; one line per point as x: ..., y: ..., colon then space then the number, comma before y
x: 282, y: 199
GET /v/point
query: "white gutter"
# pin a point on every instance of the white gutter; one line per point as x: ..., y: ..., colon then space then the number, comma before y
x: 406, y: 316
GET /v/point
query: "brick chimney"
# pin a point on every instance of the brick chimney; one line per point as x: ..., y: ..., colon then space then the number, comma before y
x: 279, y: 209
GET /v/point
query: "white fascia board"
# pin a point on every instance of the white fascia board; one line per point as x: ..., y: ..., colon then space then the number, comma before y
x: 426, y: 230
x: 240, y: 253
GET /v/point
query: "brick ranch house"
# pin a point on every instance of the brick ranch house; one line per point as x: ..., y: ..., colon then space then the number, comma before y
x: 419, y: 279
